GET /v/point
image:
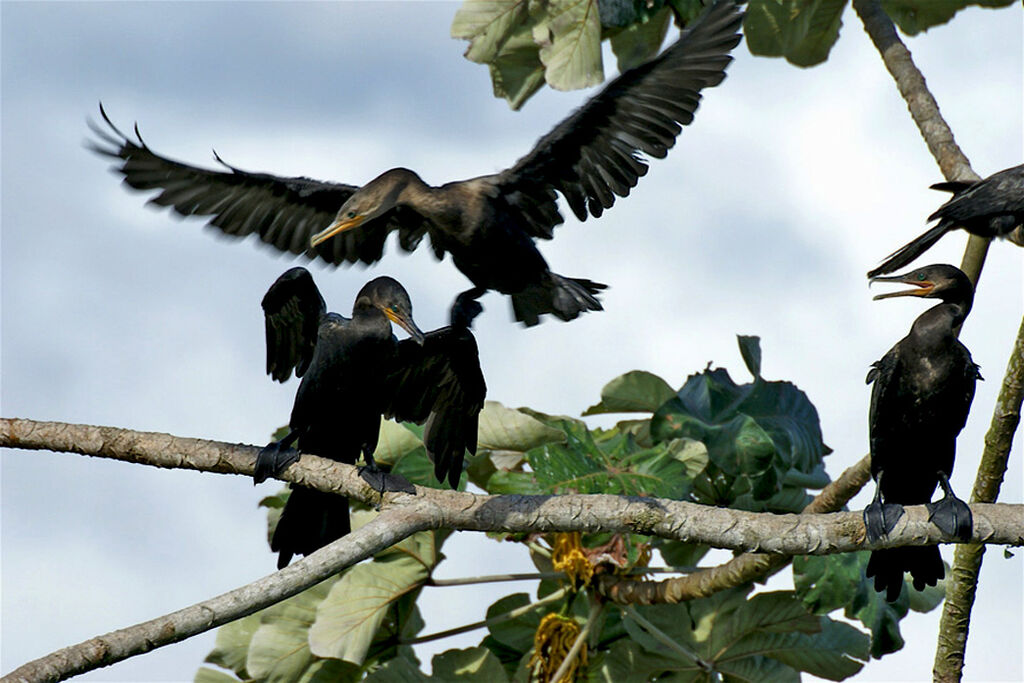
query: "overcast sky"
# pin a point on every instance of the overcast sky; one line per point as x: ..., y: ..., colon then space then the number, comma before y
x: 789, y: 185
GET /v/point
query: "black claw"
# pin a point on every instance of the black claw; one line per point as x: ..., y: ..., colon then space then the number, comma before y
x: 951, y: 514
x: 880, y: 519
x: 272, y: 460
x: 381, y: 481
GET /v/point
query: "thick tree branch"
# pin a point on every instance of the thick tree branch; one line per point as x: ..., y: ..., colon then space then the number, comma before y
x: 925, y: 112
x: 956, y: 612
x: 742, y: 569
x: 432, y: 508
x: 385, y: 530
x: 805, y: 534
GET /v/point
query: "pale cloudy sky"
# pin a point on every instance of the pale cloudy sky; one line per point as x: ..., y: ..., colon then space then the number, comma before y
x: 789, y: 186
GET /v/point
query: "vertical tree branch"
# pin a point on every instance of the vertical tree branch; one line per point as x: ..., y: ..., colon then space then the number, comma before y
x: 956, y: 612
x: 925, y: 112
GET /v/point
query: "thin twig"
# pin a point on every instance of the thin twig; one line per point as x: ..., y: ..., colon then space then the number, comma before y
x: 495, y: 578
x: 507, y: 616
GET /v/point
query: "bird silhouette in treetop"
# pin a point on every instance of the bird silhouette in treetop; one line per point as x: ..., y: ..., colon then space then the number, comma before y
x: 354, y: 372
x: 921, y: 395
x: 488, y: 224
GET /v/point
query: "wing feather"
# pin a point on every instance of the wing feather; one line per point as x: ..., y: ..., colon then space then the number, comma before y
x: 293, y: 309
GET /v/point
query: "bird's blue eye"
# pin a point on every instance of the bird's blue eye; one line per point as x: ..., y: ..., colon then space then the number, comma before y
x: 351, y: 214
x: 920, y: 276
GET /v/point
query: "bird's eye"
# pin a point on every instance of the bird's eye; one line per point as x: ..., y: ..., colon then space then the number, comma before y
x: 351, y: 214
x: 920, y: 276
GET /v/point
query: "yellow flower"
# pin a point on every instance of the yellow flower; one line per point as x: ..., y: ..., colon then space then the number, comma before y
x: 551, y: 644
x: 568, y: 557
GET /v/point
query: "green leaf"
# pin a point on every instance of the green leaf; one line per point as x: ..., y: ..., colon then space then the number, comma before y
x: 505, y: 429
x: 473, y: 664
x: 487, y: 24
x: 515, y: 634
x: 279, y: 649
x: 750, y: 349
x: 802, y: 31
x: 571, y: 44
x: 914, y: 16
x: 517, y: 72
x: 398, y: 670
x: 395, y: 441
x: 208, y: 675
x: 769, y: 636
x: 348, y: 618
x: 232, y: 644
x: 640, y: 42
x: 634, y: 392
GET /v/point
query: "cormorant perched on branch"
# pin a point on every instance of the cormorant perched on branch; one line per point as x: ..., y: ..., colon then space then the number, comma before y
x: 488, y: 223
x: 992, y: 207
x: 354, y: 371
x: 923, y: 388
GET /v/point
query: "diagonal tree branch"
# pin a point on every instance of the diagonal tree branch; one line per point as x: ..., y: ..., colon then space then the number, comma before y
x: 388, y: 528
x: 925, y: 112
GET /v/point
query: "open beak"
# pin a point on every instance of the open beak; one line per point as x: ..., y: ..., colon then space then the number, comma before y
x: 923, y: 287
x: 338, y: 226
x: 406, y: 324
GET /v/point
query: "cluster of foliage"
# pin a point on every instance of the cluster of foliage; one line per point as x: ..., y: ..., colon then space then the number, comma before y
x: 527, y: 43
x: 754, y: 446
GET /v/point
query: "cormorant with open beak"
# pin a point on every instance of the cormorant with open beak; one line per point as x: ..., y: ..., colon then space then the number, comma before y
x: 353, y: 372
x: 922, y: 393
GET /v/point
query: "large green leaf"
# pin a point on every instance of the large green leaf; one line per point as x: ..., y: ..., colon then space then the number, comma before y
x: 571, y: 44
x: 768, y: 636
x: 348, y: 618
x: 279, y: 649
x: 487, y: 24
x: 802, y: 31
x: 763, y: 438
x: 232, y: 644
x: 637, y: 391
x: 517, y: 72
x: 395, y: 441
x: 515, y: 634
x: 914, y: 16
x: 507, y: 429
x: 829, y: 582
x: 208, y: 675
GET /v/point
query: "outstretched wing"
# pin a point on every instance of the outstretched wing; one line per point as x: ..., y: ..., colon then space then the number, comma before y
x: 284, y: 212
x: 441, y: 383
x: 594, y: 154
x: 1001, y: 193
x: 293, y: 309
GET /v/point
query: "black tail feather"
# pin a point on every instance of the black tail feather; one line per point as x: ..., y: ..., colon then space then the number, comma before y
x: 910, y: 251
x: 887, y: 566
x: 310, y: 520
x: 562, y: 297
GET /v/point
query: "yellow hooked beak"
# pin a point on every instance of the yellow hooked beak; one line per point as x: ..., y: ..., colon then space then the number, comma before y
x: 338, y: 226
x: 406, y: 324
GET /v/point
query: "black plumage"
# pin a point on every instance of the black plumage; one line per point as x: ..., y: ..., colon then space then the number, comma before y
x: 489, y: 223
x: 991, y: 207
x: 353, y: 372
x: 922, y: 393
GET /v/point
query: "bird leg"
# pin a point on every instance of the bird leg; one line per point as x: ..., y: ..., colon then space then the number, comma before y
x: 381, y: 481
x: 880, y: 518
x: 272, y: 460
x: 951, y: 514
x: 466, y: 308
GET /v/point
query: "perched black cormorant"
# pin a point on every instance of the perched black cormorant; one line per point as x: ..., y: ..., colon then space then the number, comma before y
x: 922, y: 393
x: 354, y: 371
x: 992, y: 207
x: 489, y: 223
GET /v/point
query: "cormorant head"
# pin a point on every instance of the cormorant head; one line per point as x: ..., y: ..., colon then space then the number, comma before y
x: 371, y: 200
x: 389, y: 296
x: 939, y: 281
